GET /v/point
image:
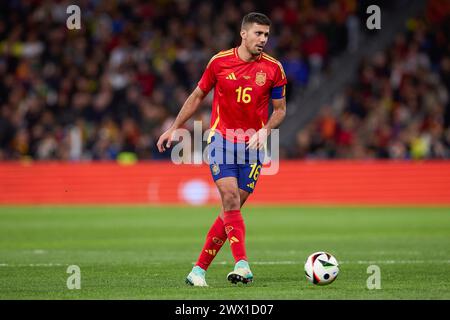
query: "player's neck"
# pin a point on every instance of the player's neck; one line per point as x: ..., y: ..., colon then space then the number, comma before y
x: 245, y: 55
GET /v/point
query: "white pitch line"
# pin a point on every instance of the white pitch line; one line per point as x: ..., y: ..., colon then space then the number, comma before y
x: 395, y: 261
x: 32, y: 265
x: 344, y: 262
x: 261, y: 263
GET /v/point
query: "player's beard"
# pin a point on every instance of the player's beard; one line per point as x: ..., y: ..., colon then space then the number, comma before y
x: 255, y: 51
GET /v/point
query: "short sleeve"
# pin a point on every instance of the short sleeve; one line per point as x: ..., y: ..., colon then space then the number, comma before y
x: 208, y: 79
x: 278, y: 92
x: 280, y: 77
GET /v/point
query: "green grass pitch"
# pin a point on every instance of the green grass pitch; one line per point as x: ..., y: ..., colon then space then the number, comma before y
x: 146, y: 252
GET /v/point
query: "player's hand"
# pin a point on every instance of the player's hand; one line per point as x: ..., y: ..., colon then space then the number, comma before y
x: 165, y: 140
x: 258, y: 140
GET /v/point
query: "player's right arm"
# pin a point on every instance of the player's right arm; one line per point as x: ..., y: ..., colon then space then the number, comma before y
x: 190, y: 106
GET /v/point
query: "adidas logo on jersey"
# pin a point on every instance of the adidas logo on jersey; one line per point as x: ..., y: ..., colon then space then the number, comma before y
x: 231, y: 76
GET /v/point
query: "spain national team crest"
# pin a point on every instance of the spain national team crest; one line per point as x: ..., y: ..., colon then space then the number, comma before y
x: 215, y: 169
x: 260, y: 78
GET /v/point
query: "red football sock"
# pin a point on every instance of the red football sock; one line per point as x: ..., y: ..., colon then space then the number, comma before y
x: 215, y: 238
x: 235, y: 229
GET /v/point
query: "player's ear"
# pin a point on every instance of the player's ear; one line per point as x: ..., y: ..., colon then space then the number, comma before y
x: 243, y: 33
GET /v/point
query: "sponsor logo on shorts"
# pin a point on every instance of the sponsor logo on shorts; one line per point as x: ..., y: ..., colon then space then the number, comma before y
x: 228, y: 229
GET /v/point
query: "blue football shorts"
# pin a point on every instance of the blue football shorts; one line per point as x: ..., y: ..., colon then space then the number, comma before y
x: 228, y: 159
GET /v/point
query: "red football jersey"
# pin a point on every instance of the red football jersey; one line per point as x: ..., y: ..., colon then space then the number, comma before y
x: 241, y: 90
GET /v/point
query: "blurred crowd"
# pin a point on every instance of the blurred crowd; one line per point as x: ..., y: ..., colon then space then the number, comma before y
x: 108, y: 90
x: 112, y: 87
x: 398, y: 107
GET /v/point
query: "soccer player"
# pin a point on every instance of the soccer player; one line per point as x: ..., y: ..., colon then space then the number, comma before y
x: 244, y: 79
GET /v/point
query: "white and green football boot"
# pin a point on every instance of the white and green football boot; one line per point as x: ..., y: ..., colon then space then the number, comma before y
x: 241, y: 273
x: 197, y: 277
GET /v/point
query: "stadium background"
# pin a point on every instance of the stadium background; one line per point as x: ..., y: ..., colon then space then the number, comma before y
x: 80, y: 112
x: 106, y: 92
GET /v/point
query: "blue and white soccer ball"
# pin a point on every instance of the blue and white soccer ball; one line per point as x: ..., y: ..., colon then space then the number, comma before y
x: 321, y: 268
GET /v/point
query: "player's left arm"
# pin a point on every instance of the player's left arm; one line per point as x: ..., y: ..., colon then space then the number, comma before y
x: 278, y: 95
x: 278, y: 115
x: 258, y: 140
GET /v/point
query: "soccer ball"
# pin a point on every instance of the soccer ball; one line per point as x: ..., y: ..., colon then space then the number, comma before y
x: 321, y: 268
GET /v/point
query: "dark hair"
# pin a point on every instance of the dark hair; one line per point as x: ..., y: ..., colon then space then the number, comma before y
x: 255, y: 17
